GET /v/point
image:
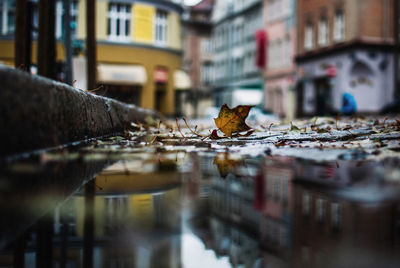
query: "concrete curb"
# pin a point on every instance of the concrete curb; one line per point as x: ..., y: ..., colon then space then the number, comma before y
x: 37, y: 113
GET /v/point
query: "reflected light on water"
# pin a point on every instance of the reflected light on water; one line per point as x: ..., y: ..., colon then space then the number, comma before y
x: 195, y: 255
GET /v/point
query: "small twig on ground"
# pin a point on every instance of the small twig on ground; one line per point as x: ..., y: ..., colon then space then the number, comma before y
x: 193, y: 131
x: 179, y: 128
x: 95, y: 89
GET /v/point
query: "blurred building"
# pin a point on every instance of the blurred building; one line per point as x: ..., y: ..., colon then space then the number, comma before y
x: 139, y: 50
x: 197, y: 58
x: 278, y: 213
x: 339, y: 232
x: 280, y: 71
x: 237, y: 80
x: 344, y: 46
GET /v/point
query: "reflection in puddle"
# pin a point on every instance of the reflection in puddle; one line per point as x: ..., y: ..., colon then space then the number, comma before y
x: 195, y: 254
x: 258, y: 212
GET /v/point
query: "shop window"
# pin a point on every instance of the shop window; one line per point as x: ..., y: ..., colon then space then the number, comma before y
x: 7, y: 17
x: 118, y: 22
x: 339, y: 26
x: 161, y: 28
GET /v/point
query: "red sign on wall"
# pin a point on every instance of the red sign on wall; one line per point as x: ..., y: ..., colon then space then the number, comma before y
x: 161, y: 75
x: 331, y: 71
x: 261, y: 46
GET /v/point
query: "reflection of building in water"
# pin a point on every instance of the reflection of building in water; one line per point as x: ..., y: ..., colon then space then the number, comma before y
x: 137, y: 223
x: 342, y: 233
x: 235, y: 223
x: 277, y: 220
x: 235, y: 242
x: 232, y: 199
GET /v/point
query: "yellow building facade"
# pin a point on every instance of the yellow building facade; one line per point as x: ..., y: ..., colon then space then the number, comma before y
x: 139, y: 52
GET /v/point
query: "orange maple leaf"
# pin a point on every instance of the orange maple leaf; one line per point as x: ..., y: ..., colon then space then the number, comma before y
x: 233, y: 120
x: 226, y: 164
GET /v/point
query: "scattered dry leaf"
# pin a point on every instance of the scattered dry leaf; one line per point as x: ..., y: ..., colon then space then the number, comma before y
x: 233, y: 120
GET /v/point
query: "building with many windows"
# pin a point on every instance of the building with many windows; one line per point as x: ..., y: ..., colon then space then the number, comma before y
x: 197, y: 58
x: 139, y: 50
x: 237, y: 80
x: 344, y: 46
x: 280, y: 70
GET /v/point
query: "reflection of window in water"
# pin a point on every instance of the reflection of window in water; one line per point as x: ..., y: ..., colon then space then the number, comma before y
x: 270, y: 184
x: 268, y: 230
x: 235, y: 201
x: 116, y: 209
x: 65, y: 214
x: 275, y: 235
x: 236, y: 238
x: 158, y: 210
x: 276, y: 189
x: 336, y: 216
x: 306, y: 204
x: 285, y: 237
x: 120, y: 262
x: 320, y: 207
x: 305, y: 254
x: 285, y: 185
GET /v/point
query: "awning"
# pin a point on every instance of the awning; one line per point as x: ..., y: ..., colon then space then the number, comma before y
x: 182, y: 80
x: 121, y: 74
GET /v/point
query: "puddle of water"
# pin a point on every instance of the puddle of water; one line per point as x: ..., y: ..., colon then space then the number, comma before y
x: 177, y: 208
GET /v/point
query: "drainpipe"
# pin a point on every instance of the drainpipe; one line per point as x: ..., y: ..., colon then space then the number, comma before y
x: 91, y: 43
x: 396, y: 49
x: 23, y: 36
x: 67, y: 41
x: 46, y: 39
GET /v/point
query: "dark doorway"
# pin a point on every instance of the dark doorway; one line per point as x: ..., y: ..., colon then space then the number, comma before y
x: 180, y: 97
x: 299, y: 99
x: 323, y: 97
x: 161, y: 94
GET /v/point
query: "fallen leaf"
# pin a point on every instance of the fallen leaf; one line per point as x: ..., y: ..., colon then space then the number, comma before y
x: 214, y: 135
x: 225, y: 164
x: 233, y: 120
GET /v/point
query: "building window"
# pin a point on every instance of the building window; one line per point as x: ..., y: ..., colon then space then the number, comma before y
x: 60, y: 13
x: 323, y: 32
x: 206, y: 46
x: 206, y: 73
x: 161, y: 28
x: 308, y: 36
x: 287, y: 56
x: 339, y: 26
x: 7, y: 17
x: 278, y: 54
x: 119, y: 19
x: 74, y: 17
